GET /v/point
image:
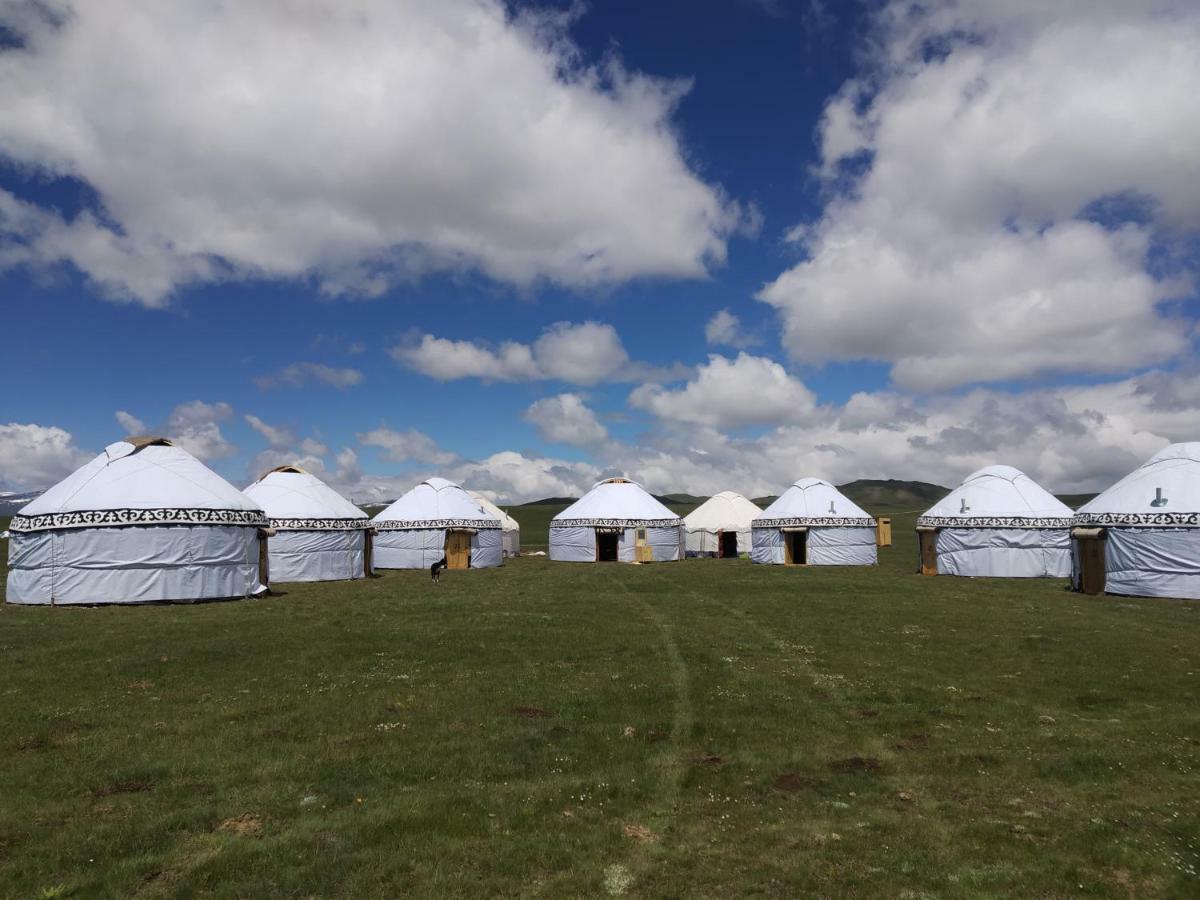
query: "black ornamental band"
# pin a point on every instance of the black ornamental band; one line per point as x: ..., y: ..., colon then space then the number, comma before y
x: 102, y: 518
x: 817, y: 521
x: 359, y: 524
x: 432, y: 524
x: 616, y: 523
x: 1139, y: 520
x: 994, y: 521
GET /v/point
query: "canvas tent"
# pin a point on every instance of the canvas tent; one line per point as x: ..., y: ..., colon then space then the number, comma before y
x: 813, y: 524
x: 319, y: 535
x: 616, y: 521
x: 144, y: 521
x: 720, y: 526
x: 998, y: 523
x: 511, y: 541
x: 437, y: 518
x: 1147, y: 528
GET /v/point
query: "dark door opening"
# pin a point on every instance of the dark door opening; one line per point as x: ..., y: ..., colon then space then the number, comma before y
x: 796, y: 543
x: 606, y: 546
x: 729, y: 548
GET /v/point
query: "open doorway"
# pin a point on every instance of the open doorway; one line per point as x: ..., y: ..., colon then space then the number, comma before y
x: 607, y: 546
x: 458, y: 549
x: 795, y: 544
x: 729, y: 547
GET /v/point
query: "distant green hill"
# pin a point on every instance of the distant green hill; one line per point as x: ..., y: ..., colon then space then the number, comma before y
x: 1075, y: 500
x: 870, y: 493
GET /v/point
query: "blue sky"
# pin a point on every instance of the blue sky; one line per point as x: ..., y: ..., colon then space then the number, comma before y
x: 798, y: 240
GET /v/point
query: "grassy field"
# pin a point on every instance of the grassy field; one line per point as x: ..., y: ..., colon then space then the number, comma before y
x: 701, y: 729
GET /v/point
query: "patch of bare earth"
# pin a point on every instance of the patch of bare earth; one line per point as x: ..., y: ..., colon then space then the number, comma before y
x: 706, y: 759
x: 914, y: 742
x: 639, y: 833
x: 245, y: 825
x: 123, y: 786
x: 794, y: 782
x: 864, y: 712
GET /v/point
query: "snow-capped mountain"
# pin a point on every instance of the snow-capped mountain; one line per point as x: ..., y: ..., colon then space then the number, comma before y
x: 12, y: 501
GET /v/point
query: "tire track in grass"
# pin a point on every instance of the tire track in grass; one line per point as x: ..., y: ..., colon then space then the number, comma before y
x: 619, y: 877
x: 828, y: 683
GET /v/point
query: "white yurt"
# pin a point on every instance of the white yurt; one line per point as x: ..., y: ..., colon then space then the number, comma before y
x: 617, y: 520
x: 1149, y: 524
x: 813, y: 524
x: 319, y: 535
x: 999, y: 523
x: 720, y: 526
x: 437, y: 518
x: 511, y: 541
x: 144, y: 521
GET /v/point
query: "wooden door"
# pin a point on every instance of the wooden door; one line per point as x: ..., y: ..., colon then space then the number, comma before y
x: 1092, y: 564
x: 928, y: 541
x: 458, y: 550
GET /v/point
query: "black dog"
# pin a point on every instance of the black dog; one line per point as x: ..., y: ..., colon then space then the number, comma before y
x: 435, y: 571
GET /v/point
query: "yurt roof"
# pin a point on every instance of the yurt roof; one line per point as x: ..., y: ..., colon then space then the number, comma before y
x: 294, y: 499
x: 998, y: 497
x: 1162, y: 492
x: 811, y: 501
x: 436, y: 503
x: 510, y: 524
x: 726, y: 511
x: 616, y: 501
x: 140, y: 481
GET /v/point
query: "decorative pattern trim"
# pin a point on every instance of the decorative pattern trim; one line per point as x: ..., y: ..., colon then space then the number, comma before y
x: 431, y: 524
x: 1136, y: 520
x: 102, y: 518
x: 616, y: 523
x: 995, y: 521
x: 825, y: 521
x: 321, y: 524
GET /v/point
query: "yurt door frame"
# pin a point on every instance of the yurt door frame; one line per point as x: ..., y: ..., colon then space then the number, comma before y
x: 727, y: 544
x: 458, y: 549
x: 795, y: 547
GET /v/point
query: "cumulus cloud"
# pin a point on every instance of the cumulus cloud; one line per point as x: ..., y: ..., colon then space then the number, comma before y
x: 453, y: 135
x: 300, y: 374
x: 131, y: 423
x: 1000, y: 180
x: 726, y: 328
x: 731, y: 393
x: 277, y: 437
x: 566, y: 419
x: 406, y: 446
x: 195, y: 426
x: 33, y: 457
x: 584, y: 353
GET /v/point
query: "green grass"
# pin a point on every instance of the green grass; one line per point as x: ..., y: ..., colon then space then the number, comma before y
x: 700, y: 729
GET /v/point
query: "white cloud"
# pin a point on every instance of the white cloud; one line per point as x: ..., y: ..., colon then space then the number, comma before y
x: 33, y: 457
x: 447, y: 360
x: 566, y: 419
x: 278, y: 437
x: 300, y: 374
x: 726, y: 328
x: 452, y: 135
x: 406, y: 446
x: 131, y: 423
x: 195, y: 426
x: 1019, y: 162
x: 731, y: 393
x: 584, y: 353
x: 515, y: 478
